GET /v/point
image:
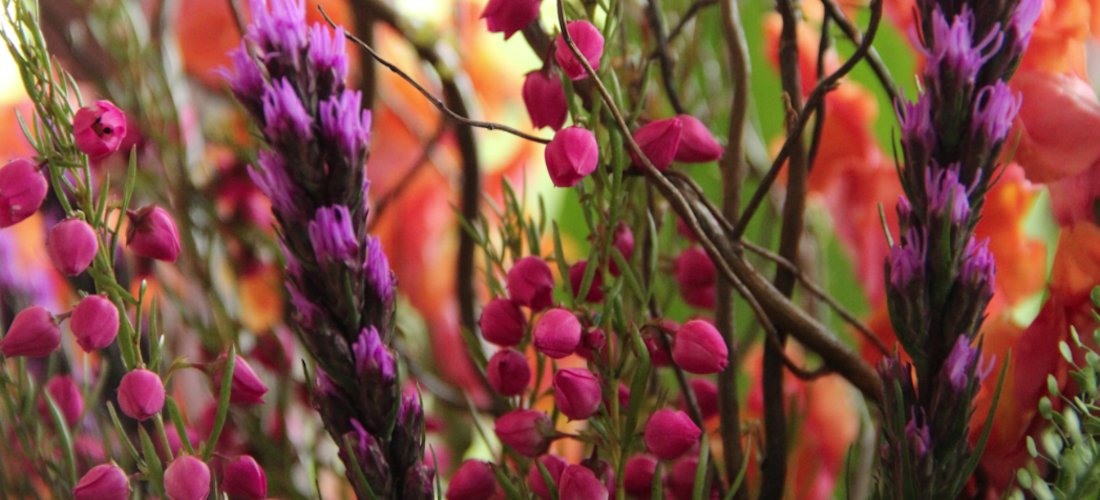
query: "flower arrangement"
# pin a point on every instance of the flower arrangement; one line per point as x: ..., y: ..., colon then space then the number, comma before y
x: 337, y: 249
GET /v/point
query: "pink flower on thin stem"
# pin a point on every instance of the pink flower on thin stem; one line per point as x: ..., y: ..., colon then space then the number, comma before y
x: 510, y: 16
x: 152, y: 234
x: 94, y: 323
x: 98, y: 129
x: 72, y: 246
x: 571, y: 156
x: 187, y: 478
x: 33, y: 333
x: 141, y: 394
x: 557, y: 333
x: 545, y: 100
x: 589, y: 42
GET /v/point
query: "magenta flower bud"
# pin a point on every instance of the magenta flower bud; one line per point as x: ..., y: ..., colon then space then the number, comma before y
x: 555, y: 465
x: 474, y: 480
x: 247, y: 387
x: 577, y: 393
x: 508, y: 372
x: 33, y: 333
x: 697, y: 145
x: 502, y: 322
x: 658, y: 141
x: 22, y: 190
x: 669, y: 434
x: 141, y: 394
x: 530, y: 283
x: 187, y: 478
x: 98, y: 129
x: 698, y: 348
x: 244, y: 478
x: 706, y: 394
x: 153, y: 234
x: 571, y: 155
x: 588, y: 40
x: 66, y: 394
x: 510, y: 16
x: 94, y: 323
x: 576, y: 279
x: 681, y: 479
x: 638, y: 476
x: 103, y: 482
x: 545, y: 100
x: 623, y: 241
x: 72, y: 245
x: 695, y: 273
x: 528, y: 432
x: 580, y: 483
x: 557, y: 333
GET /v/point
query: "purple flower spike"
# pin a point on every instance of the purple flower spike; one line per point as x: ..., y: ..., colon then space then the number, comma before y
x: 953, y: 48
x: 907, y: 261
x: 273, y: 180
x: 959, y: 363
x: 343, y: 124
x: 1023, y: 22
x: 305, y: 312
x: 377, y: 267
x: 332, y: 236
x: 919, y: 437
x: 915, y: 119
x: 371, y: 355
x: 994, y: 109
x: 246, y: 81
x: 280, y: 29
x: 978, y: 270
x: 285, y: 115
x: 945, y: 193
x: 329, y: 57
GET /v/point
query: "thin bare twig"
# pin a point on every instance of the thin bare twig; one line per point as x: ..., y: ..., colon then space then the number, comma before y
x: 833, y: 10
x: 688, y: 16
x: 819, y: 113
x: 653, y: 12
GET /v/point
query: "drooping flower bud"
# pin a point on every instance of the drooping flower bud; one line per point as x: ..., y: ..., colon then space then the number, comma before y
x: 555, y: 465
x: 247, y: 387
x: 638, y: 476
x: 695, y: 273
x: 658, y: 141
x: 545, y: 100
x: 244, y: 478
x: 474, y: 480
x: 98, y: 129
x: 571, y: 155
x: 576, y: 279
x: 103, y: 482
x: 94, y: 323
x: 187, y: 478
x: 530, y: 283
x: 66, y: 395
x: 72, y: 245
x: 508, y: 372
x: 140, y: 394
x: 697, y: 145
x: 502, y: 322
x: 577, y: 393
x: 510, y: 16
x: 22, y: 189
x: 528, y: 432
x: 33, y: 333
x: 588, y: 40
x: 698, y: 348
x: 557, y: 333
x: 669, y: 434
x: 152, y: 234
x: 580, y: 483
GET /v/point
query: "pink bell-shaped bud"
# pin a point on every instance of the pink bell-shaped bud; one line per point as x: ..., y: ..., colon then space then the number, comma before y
x: 94, y: 322
x: 697, y: 145
x: 474, y: 480
x: 669, y: 434
x: 571, y: 155
x: 530, y: 283
x: 33, y: 333
x: 698, y: 348
x: 187, y: 478
x: 580, y: 483
x: 508, y: 372
x: 66, y: 395
x: 502, y: 322
x: 98, y: 129
x: 247, y: 387
x: 695, y: 273
x: 528, y: 432
x: 510, y: 16
x: 244, y: 478
x: 638, y: 476
x: 706, y: 395
x: 72, y: 245
x: 554, y: 466
x: 557, y: 333
x: 22, y: 189
x: 103, y: 482
x: 577, y: 393
x: 545, y: 100
x: 152, y: 234
x: 576, y: 279
x: 588, y: 40
x: 658, y: 141
x: 140, y: 394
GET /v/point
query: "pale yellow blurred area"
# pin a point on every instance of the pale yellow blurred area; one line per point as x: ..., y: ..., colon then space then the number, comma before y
x: 11, y: 87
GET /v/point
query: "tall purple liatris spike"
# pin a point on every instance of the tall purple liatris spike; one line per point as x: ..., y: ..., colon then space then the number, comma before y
x: 290, y: 78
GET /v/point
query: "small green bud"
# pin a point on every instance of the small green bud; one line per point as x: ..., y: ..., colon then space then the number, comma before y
x: 1031, y: 449
x: 1024, y: 478
x: 1066, y: 352
x: 1045, y: 408
x: 1052, y: 385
